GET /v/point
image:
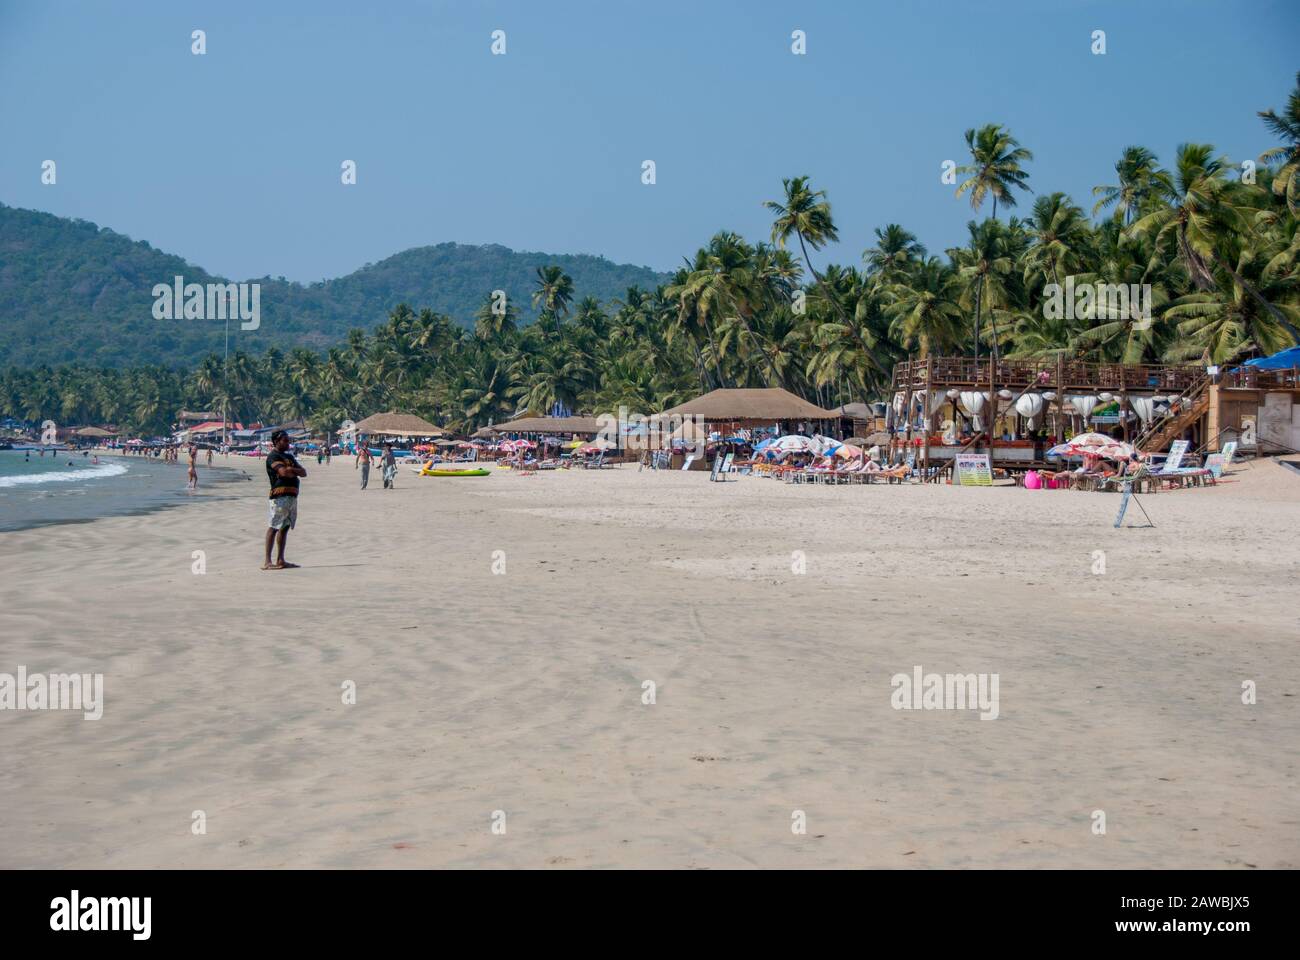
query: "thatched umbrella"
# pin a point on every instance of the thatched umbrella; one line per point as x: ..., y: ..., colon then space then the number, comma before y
x: 854, y: 411
x: 96, y: 432
x: 398, y: 425
x: 871, y: 440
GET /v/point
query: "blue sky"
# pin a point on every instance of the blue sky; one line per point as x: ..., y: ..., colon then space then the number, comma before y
x: 232, y: 159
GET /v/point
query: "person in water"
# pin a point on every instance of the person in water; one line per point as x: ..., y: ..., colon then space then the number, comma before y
x: 193, y: 481
x: 284, y: 472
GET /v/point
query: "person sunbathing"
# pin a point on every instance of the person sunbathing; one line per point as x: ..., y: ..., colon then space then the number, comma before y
x: 1078, y: 471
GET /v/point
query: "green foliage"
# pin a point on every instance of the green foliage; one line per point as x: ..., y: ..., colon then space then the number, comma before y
x: 1217, y: 252
x: 73, y: 292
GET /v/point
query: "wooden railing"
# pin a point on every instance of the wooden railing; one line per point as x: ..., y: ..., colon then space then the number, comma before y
x: 1071, y: 374
x: 1252, y: 378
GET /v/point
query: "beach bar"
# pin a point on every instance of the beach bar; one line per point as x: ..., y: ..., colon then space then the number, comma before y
x: 945, y: 405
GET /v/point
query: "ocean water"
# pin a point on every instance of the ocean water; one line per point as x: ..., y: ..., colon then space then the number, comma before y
x: 68, y: 488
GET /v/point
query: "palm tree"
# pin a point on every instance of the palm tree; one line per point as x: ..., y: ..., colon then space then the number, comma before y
x: 1206, y: 216
x: 995, y: 168
x: 554, y: 291
x: 806, y: 214
x: 895, y: 251
x: 1200, y: 207
x: 1060, y: 235
x: 984, y: 266
x: 1226, y: 322
x: 926, y: 318
x: 1287, y: 128
x: 1141, y: 181
x: 495, y: 323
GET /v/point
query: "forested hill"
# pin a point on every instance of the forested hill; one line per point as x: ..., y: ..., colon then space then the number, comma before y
x: 73, y: 292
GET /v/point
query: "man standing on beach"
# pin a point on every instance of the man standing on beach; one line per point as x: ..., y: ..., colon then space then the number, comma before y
x: 363, y: 461
x: 284, y: 472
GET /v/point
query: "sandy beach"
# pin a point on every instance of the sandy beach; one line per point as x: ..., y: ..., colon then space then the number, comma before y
x: 521, y: 691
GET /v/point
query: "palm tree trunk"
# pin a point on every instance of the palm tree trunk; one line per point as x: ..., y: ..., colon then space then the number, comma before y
x: 717, y: 361
x: 838, y: 309
x: 1249, y: 287
x: 771, y: 370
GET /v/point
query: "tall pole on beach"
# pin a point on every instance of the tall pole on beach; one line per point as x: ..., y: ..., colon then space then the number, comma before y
x: 929, y: 403
x: 225, y: 384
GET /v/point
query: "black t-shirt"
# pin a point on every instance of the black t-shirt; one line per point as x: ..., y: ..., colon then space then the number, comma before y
x: 281, y: 486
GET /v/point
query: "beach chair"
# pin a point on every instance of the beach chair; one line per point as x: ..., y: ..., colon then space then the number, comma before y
x: 1138, y: 478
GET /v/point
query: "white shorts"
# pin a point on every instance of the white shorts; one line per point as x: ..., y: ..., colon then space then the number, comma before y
x: 284, y: 513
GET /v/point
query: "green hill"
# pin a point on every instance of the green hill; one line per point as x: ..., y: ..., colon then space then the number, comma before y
x: 73, y: 292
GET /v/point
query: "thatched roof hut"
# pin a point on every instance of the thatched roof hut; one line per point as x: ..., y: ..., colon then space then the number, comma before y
x: 738, y: 405
x: 93, y: 432
x: 854, y: 411
x: 399, y: 425
x: 548, y: 425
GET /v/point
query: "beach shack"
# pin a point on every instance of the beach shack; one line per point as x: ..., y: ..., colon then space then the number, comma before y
x: 727, y: 411
x: 1256, y: 404
x: 1014, y: 410
x: 397, y: 426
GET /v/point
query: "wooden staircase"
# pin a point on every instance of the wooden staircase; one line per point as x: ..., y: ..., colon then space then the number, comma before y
x: 1159, y: 434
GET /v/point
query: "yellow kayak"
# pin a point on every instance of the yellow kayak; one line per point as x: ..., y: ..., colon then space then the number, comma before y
x: 440, y: 472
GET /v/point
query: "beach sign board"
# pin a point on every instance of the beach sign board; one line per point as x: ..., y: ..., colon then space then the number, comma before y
x: 726, y: 464
x: 689, y: 460
x: 974, y: 470
x: 1215, y: 463
x: 1229, y: 451
x: 1175, y: 458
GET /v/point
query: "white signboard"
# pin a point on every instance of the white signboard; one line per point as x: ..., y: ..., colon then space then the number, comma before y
x: 1175, y: 458
x: 974, y: 470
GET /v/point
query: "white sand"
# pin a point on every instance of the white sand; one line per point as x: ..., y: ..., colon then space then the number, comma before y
x: 522, y: 692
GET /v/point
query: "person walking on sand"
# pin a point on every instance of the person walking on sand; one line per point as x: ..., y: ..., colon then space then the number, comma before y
x: 209, y: 456
x: 284, y: 473
x: 363, y: 461
x: 193, y: 482
x: 389, y: 463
